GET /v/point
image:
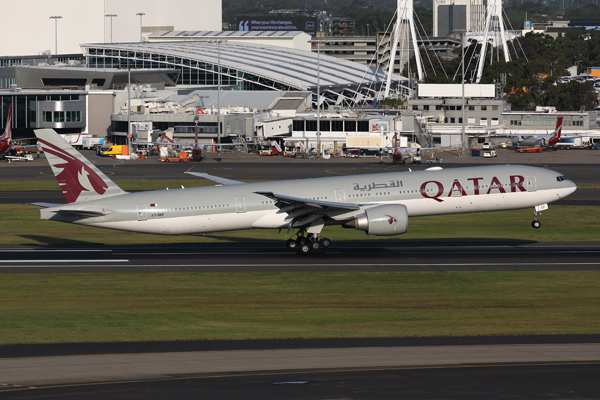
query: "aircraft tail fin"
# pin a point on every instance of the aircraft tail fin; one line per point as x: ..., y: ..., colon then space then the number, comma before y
x: 78, y: 178
x: 7, y: 129
x: 557, y: 132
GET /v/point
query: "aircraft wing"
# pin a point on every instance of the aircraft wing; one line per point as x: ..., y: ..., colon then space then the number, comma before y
x: 304, y: 212
x: 298, y: 202
x: 218, y: 179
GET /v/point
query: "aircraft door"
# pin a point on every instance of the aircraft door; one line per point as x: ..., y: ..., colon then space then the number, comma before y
x: 142, y: 213
x: 240, y: 204
x: 340, y: 195
x: 531, y: 184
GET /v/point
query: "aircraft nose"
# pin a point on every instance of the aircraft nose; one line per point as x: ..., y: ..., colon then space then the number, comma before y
x: 572, y: 187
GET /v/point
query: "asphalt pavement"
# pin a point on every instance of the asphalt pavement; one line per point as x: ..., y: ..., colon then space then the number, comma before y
x: 469, y: 368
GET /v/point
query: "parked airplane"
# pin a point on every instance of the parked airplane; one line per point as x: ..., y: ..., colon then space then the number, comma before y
x: 549, y: 139
x: 6, y: 140
x: 6, y: 136
x: 379, y: 204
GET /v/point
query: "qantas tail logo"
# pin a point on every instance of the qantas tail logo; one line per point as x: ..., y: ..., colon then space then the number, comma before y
x: 7, y: 130
x: 75, y: 177
x: 556, y: 136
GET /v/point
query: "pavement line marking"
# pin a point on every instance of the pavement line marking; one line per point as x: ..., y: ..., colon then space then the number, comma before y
x: 288, y: 265
x: 59, y: 261
x: 283, y: 251
x: 54, y: 251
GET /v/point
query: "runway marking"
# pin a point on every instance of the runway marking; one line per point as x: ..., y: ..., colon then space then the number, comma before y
x: 60, y: 261
x: 54, y: 251
x: 288, y: 265
x: 338, y: 251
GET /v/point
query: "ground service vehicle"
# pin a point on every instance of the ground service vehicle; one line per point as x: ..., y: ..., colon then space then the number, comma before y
x: 569, y: 143
x: 116, y: 150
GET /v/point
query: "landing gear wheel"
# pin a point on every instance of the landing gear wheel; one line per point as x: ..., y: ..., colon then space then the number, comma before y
x: 302, y: 240
x: 304, y: 248
x: 325, y: 243
x: 291, y: 244
x: 536, y: 224
x: 315, y: 245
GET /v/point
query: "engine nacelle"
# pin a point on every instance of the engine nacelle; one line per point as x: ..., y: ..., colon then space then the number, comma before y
x: 391, y: 219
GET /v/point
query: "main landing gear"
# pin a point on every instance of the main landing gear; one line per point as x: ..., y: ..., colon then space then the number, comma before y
x: 305, y: 244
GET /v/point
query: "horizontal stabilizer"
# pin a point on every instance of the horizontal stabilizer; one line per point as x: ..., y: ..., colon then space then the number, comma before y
x: 46, y: 205
x: 85, y: 213
x: 222, y: 181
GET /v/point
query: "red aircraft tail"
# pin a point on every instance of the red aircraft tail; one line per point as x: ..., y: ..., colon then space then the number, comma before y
x: 397, y: 156
x: 556, y: 134
x: 6, y: 136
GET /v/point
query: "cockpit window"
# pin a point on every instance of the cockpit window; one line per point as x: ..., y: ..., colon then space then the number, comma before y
x: 560, y: 178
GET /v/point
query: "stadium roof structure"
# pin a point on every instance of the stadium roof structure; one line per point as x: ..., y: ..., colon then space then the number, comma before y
x: 247, y: 67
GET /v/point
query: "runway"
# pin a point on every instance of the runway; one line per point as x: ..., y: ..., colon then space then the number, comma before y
x: 420, y: 372
x: 366, y: 368
x: 247, y: 257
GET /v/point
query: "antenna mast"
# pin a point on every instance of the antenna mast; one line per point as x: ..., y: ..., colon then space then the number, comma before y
x: 495, y: 24
x: 404, y: 22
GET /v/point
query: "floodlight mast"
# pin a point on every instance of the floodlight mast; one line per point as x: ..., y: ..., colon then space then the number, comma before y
x: 404, y: 22
x: 56, y: 18
x: 493, y: 22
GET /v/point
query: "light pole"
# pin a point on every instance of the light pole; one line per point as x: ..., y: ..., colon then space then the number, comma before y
x: 111, y: 18
x: 368, y: 29
x: 141, y: 14
x: 462, y: 78
x: 55, y: 18
x: 318, y: 99
x: 219, y: 101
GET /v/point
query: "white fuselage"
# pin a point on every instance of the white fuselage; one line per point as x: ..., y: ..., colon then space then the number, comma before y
x: 236, y: 207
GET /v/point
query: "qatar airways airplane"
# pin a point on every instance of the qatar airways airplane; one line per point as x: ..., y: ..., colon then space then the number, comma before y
x: 379, y: 204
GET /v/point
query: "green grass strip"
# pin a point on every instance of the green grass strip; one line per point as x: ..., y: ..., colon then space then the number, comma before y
x: 63, y: 308
x: 20, y: 225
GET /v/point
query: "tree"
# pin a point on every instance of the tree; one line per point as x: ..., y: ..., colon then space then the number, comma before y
x: 571, y: 96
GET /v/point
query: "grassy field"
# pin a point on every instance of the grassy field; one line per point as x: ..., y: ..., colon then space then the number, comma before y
x: 20, y: 225
x: 61, y: 308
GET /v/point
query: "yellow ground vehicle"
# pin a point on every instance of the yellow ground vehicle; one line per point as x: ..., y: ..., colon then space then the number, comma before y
x: 116, y: 150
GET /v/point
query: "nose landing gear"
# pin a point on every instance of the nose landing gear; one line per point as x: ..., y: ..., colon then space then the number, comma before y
x: 537, y: 211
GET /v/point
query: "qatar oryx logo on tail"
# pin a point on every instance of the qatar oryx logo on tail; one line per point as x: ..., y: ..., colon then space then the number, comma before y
x: 79, y: 179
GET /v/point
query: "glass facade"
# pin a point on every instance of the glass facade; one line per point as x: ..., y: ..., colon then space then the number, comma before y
x: 189, y: 71
x: 25, y: 109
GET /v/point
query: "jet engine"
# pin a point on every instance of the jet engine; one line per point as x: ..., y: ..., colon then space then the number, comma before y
x: 391, y: 219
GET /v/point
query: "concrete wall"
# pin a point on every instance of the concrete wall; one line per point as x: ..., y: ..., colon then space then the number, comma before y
x: 99, y: 109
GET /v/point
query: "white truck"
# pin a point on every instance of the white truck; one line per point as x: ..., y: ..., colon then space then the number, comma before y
x: 75, y: 139
x: 90, y: 142
x: 576, y: 142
